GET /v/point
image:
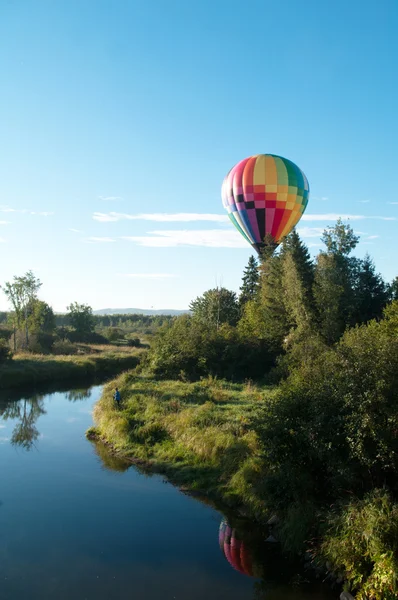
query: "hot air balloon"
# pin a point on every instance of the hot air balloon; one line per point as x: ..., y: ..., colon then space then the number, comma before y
x: 265, y: 194
x: 234, y: 550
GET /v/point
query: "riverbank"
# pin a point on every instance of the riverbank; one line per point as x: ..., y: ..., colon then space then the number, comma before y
x: 200, y: 435
x: 30, y: 369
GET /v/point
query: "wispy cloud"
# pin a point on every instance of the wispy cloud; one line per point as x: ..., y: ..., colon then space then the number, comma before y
x: 372, y: 237
x: 160, y: 217
x: 2, y: 240
x: 99, y: 240
x: 363, y: 201
x: 4, y: 222
x: 392, y: 202
x: 335, y: 216
x: 148, y: 275
x: 211, y: 238
x: 110, y: 198
x: 321, y: 198
x: 8, y: 209
x: 308, y: 232
x: 75, y: 230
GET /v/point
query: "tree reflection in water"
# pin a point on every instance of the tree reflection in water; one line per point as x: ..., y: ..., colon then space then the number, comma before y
x: 25, y: 412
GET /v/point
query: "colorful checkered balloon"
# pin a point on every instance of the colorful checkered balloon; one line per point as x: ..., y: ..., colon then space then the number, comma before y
x: 265, y: 194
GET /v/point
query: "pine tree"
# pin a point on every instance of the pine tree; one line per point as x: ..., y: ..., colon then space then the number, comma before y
x: 371, y: 294
x: 250, y: 281
x: 293, y: 245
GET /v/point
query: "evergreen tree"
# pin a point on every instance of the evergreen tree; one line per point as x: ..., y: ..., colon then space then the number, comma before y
x: 371, y: 294
x: 250, y: 281
x: 293, y: 245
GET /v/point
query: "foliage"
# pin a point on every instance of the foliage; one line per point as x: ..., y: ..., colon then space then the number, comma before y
x: 362, y: 543
x: 191, y: 349
x: 21, y: 293
x: 250, y: 281
x: 215, y: 307
x: 81, y: 318
x: 28, y: 369
x: 40, y: 316
x: 5, y: 352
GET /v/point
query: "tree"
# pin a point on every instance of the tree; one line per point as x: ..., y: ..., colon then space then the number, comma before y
x: 250, y: 281
x: 81, y: 318
x: 301, y: 257
x: 340, y: 239
x: 335, y: 281
x: 215, y: 307
x: 371, y: 294
x: 41, y: 318
x: 20, y: 293
x: 394, y: 289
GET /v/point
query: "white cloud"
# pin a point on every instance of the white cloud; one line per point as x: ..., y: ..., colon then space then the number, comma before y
x: 99, y: 240
x: 8, y: 209
x: 2, y: 240
x: 75, y: 230
x: 4, y: 222
x: 211, y: 238
x: 148, y: 275
x: 110, y: 198
x: 160, y: 217
x: 308, y: 232
x: 323, y: 198
x: 335, y: 216
x: 372, y: 237
x: 392, y: 202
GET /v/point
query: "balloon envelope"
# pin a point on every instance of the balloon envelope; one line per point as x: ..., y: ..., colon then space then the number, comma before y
x: 265, y: 194
x: 234, y: 550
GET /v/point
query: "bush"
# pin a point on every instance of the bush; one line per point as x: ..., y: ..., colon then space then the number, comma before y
x: 5, y: 352
x: 134, y: 342
x: 39, y: 343
x: 191, y: 349
x: 64, y: 347
x: 87, y: 338
x: 362, y: 544
x: 5, y: 333
x: 332, y: 426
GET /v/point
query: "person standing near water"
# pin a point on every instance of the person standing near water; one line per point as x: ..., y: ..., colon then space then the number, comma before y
x: 117, y: 397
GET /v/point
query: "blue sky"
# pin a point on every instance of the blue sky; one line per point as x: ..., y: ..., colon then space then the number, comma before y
x: 119, y: 120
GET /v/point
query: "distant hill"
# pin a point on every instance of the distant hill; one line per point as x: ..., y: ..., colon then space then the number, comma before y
x: 138, y: 311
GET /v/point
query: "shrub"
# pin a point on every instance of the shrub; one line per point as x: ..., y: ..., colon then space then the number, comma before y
x: 362, y: 543
x: 5, y: 352
x: 190, y: 349
x: 64, y: 347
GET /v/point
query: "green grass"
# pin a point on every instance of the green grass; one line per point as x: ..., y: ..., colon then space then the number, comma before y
x: 30, y: 369
x: 199, y: 434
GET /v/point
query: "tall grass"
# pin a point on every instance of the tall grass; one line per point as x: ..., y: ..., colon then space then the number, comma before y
x: 199, y: 434
x: 29, y: 369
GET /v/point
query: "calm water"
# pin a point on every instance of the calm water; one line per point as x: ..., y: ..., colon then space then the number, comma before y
x: 75, y: 523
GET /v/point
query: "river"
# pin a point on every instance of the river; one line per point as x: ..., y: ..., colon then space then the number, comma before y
x: 77, y: 523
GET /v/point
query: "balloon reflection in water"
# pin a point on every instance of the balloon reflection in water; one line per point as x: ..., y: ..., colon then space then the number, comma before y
x: 236, y: 551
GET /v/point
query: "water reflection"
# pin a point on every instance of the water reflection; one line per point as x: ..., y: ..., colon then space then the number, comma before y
x: 110, y: 461
x: 236, y: 551
x: 25, y: 412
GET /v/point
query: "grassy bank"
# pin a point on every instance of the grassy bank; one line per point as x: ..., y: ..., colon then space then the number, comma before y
x: 30, y: 369
x: 199, y: 434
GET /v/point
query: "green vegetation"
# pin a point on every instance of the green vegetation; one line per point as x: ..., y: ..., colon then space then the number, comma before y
x: 314, y: 440
x: 27, y: 369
